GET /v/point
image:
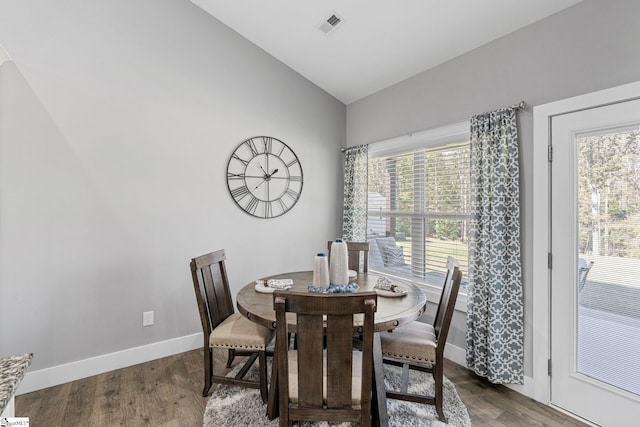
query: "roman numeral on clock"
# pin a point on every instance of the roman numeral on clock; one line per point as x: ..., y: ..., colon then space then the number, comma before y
x: 292, y: 193
x: 252, y: 147
x: 244, y: 162
x: 268, y: 144
x: 240, y: 192
x: 231, y: 175
x: 252, y: 205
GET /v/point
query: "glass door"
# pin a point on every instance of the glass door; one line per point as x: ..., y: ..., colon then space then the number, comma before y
x: 595, y: 279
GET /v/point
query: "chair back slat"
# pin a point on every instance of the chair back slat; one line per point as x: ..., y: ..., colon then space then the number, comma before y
x: 450, y: 304
x: 212, y: 289
x: 325, y: 327
x: 452, y: 263
x: 221, y: 294
x: 339, y: 361
x: 358, y: 255
x: 310, y: 359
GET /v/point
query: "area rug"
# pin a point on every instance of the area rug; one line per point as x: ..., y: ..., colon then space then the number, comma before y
x: 231, y: 406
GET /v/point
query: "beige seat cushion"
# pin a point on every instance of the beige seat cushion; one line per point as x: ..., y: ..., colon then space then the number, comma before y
x: 415, y: 342
x: 356, y: 375
x: 237, y: 332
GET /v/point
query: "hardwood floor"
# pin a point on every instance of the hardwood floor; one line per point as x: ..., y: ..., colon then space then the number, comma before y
x: 168, y: 393
x: 162, y: 393
x: 497, y: 406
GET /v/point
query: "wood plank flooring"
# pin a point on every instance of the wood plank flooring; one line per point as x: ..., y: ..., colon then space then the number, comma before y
x: 168, y: 393
x: 498, y: 406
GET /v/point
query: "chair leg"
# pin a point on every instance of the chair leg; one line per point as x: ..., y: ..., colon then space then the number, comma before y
x: 404, y: 383
x: 366, y: 415
x: 210, y: 378
x: 284, y: 418
x: 231, y: 355
x: 262, y: 366
x: 438, y: 383
x: 208, y: 370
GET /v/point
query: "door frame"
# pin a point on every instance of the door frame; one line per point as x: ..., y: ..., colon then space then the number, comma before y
x: 541, y: 293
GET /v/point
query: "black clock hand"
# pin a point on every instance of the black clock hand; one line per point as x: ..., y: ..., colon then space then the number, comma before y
x: 269, y: 179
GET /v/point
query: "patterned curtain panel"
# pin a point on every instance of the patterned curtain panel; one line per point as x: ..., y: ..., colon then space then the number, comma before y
x: 495, y: 323
x: 354, y: 226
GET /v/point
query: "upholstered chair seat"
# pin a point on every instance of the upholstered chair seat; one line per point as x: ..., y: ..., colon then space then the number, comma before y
x: 414, y: 343
x: 240, y: 333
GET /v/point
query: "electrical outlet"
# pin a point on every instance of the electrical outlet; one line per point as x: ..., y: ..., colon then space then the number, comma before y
x: 147, y: 318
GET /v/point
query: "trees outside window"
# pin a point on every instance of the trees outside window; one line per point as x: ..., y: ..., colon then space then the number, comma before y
x: 609, y: 194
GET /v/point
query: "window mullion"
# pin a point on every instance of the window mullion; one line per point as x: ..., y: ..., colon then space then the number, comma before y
x: 418, y: 231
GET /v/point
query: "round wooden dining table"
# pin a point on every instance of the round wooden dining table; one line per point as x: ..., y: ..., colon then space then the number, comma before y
x: 393, y: 310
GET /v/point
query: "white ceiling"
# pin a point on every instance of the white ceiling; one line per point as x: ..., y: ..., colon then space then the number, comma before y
x: 379, y: 42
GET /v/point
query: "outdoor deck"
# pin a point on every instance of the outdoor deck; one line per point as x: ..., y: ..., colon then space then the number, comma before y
x: 608, y: 336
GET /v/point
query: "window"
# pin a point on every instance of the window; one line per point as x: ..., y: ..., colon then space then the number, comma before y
x: 418, y: 196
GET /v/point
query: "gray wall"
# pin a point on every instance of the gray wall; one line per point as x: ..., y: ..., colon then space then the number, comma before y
x: 590, y: 46
x: 116, y: 122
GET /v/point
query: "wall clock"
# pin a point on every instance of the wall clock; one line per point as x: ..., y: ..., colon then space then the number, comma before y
x: 264, y: 177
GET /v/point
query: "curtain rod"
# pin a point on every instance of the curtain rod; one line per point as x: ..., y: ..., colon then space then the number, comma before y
x: 522, y: 105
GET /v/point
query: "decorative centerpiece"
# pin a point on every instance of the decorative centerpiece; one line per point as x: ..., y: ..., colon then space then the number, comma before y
x: 385, y: 284
x: 334, y: 289
x: 321, y: 271
x: 339, y: 263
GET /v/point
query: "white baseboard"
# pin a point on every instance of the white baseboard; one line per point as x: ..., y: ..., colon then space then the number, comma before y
x: 10, y: 409
x: 61, y: 374
x: 526, y: 389
x: 458, y: 355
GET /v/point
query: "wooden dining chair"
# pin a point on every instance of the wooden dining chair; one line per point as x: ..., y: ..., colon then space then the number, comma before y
x: 355, y: 251
x: 330, y: 382
x: 223, y: 328
x: 420, y: 346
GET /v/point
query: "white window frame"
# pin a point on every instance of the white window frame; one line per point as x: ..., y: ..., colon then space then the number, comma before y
x: 431, y: 138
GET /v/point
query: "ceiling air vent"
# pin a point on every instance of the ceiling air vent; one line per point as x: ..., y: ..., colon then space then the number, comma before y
x: 331, y: 23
